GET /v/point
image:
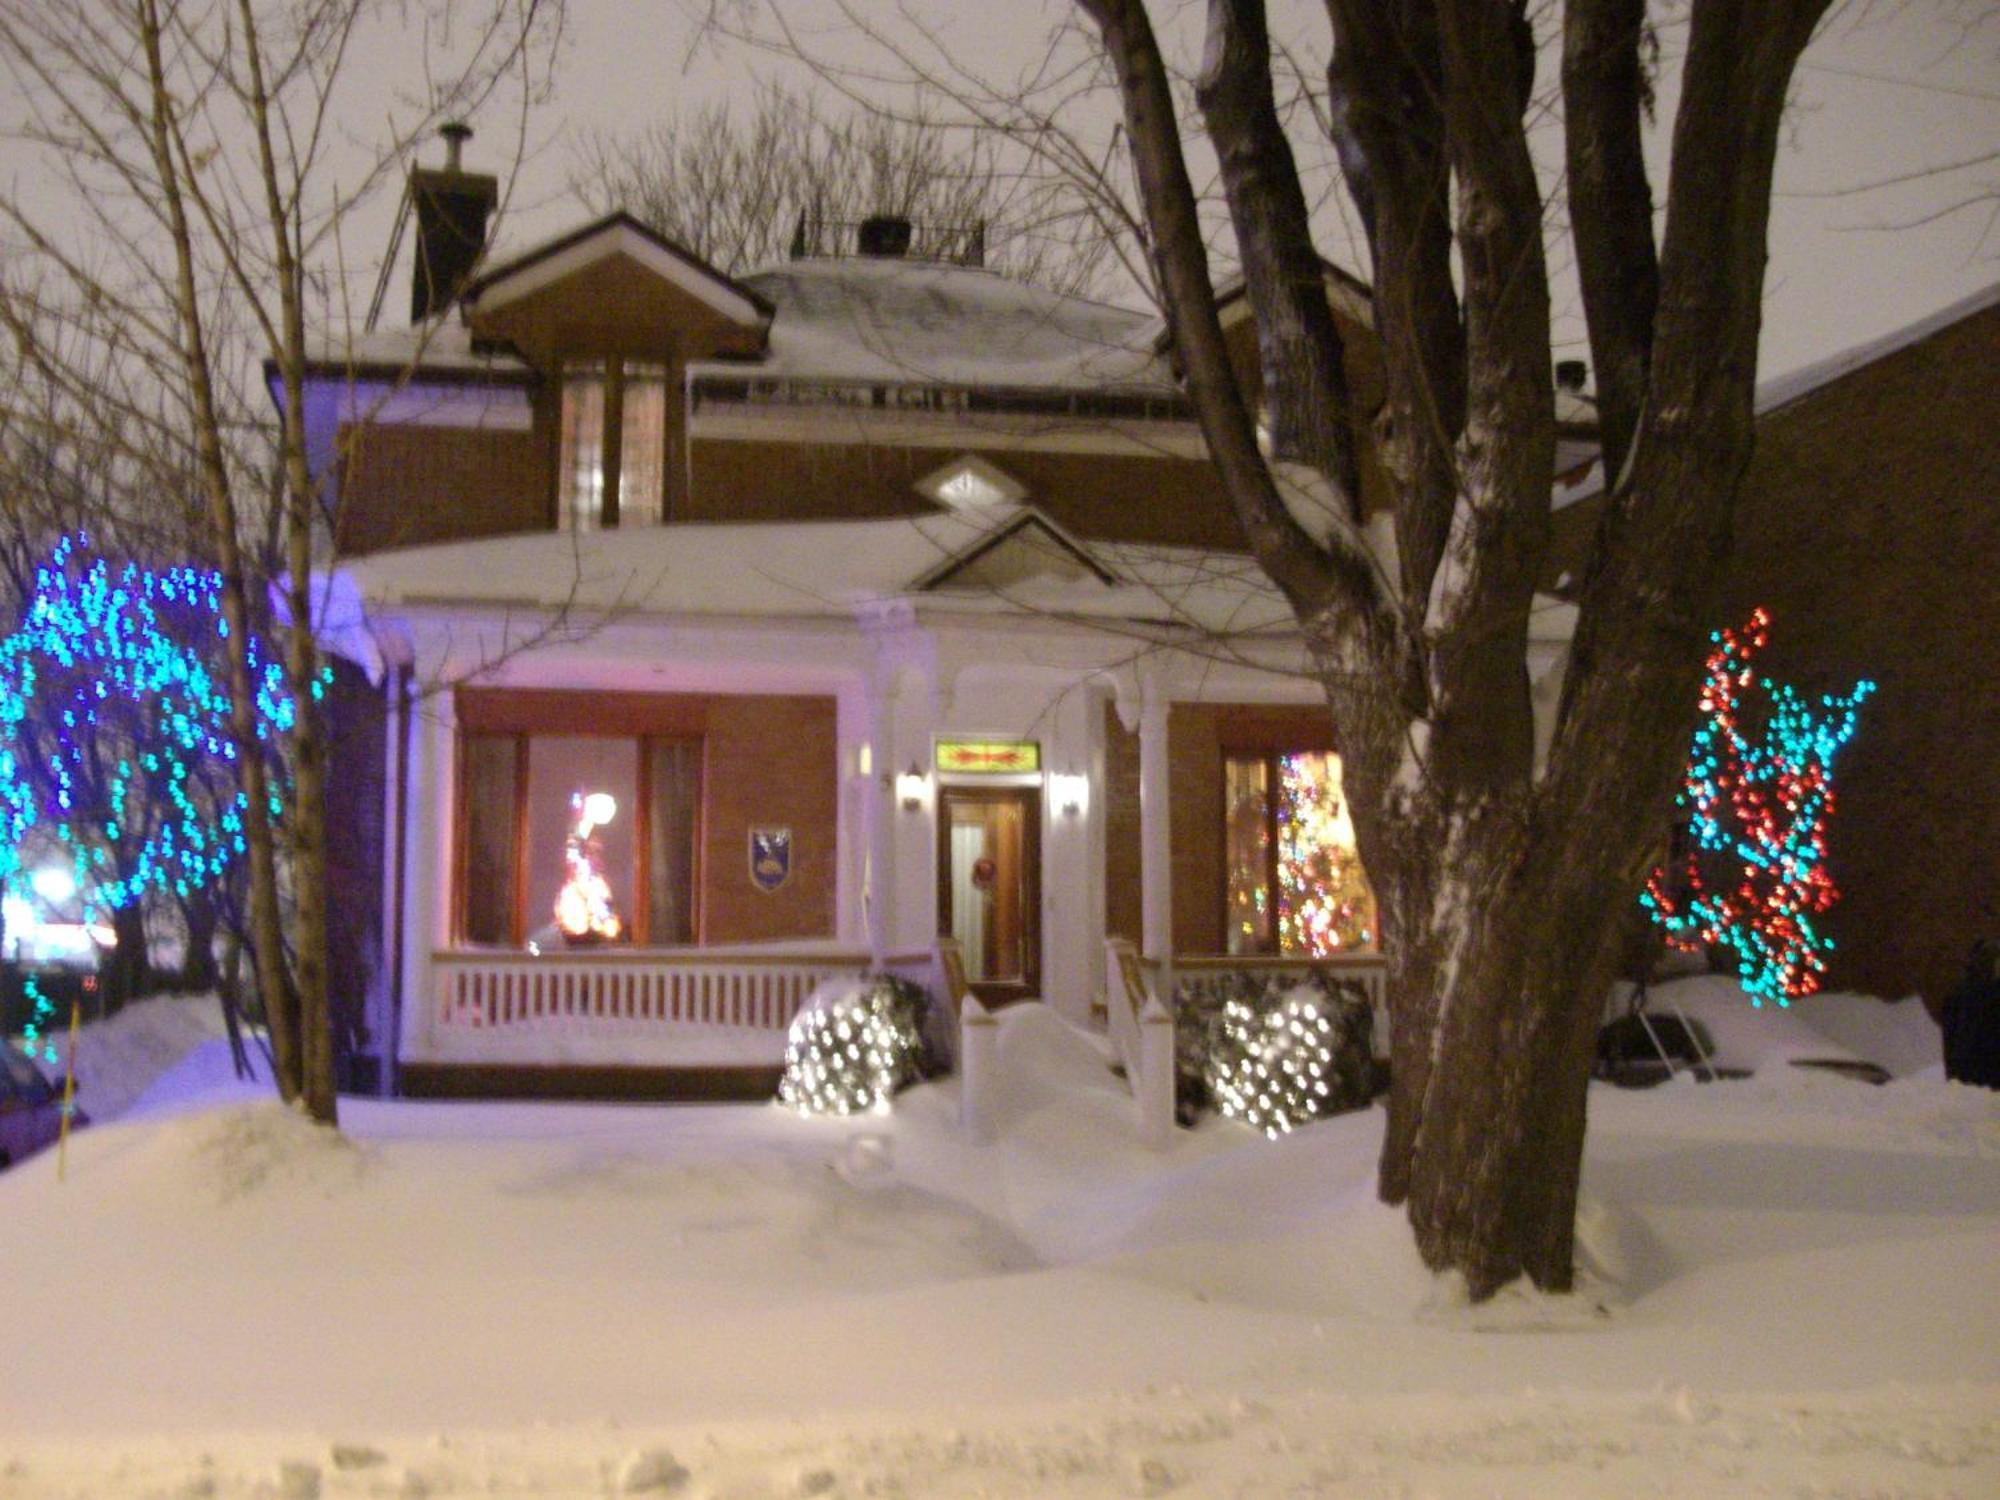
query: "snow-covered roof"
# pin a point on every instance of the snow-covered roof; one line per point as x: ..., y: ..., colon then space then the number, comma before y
x: 814, y: 568
x: 902, y: 321
x: 1783, y: 390
x: 441, y: 346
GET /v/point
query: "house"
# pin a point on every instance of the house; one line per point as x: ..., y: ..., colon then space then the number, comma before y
x: 701, y: 636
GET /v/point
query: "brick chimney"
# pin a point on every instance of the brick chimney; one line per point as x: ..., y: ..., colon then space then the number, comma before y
x: 452, y: 206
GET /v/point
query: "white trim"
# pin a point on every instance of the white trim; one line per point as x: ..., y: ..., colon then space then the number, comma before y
x: 860, y: 426
x: 634, y: 245
x: 484, y: 407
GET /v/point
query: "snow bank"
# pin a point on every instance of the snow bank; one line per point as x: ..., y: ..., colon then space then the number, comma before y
x: 1789, y: 1290
x: 120, y: 1058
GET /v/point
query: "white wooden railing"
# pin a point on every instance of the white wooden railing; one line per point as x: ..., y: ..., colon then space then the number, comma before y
x: 1142, y: 1031
x: 636, y: 1005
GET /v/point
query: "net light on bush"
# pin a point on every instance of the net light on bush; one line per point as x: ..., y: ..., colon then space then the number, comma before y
x: 849, y: 1051
x: 1273, y: 1071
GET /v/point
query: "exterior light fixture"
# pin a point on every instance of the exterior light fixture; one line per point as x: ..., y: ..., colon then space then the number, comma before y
x: 1069, y: 791
x: 910, y: 788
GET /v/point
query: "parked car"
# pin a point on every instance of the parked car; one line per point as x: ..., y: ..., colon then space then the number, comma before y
x: 31, y: 1108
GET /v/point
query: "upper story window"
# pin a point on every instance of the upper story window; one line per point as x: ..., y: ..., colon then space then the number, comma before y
x: 614, y: 419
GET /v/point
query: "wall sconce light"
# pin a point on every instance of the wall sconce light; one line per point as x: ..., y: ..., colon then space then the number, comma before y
x: 1069, y: 791
x: 910, y: 786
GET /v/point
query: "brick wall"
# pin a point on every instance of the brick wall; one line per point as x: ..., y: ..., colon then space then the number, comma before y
x: 405, y: 485
x: 1870, y: 528
x: 1120, y: 497
x: 769, y: 761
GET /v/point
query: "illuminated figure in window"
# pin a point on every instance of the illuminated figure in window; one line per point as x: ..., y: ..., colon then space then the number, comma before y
x: 583, y: 906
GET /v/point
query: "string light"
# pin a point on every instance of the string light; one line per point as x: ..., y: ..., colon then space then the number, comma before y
x: 1303, y: 1057
x: 583, y: 908
x: 110, y: 673
x: 1324, y: 904
x: 852, y: 1047
x: 1756, y: 808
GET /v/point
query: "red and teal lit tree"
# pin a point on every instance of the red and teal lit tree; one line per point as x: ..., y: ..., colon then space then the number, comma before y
x: 1750, y: 874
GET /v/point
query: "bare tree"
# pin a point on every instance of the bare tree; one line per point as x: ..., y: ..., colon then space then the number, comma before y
x: 195, y: 148
x: 744, y: 188
x: 1500, y: 878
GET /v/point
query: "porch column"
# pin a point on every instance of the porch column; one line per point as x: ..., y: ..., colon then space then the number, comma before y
x: 879, y: 808
x: 429, y: 821
x: 855, y: 814
x: 912, y: 889
x: 1156, y: 849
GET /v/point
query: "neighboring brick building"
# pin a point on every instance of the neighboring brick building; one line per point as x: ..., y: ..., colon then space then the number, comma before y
x: 1869, y: 526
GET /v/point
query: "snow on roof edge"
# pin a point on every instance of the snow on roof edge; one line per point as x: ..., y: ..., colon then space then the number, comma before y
x: 1782, y: 390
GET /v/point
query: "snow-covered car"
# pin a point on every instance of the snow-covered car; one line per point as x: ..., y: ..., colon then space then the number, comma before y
x: 30, y: 1108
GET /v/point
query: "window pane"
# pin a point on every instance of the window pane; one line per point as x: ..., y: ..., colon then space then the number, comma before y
x: 1247, y: 852
x: 641, y: 455
x: 642, y: 471
x: 489, y: 837
x: 582, y: 854
x: 582, y: 480
x: 675, y: 776
x: 1324, y: 903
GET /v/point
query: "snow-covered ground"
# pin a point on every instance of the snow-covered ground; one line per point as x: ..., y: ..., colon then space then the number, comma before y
x: 1792, y: 1291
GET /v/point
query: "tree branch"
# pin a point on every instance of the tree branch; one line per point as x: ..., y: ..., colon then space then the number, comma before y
x: 1387, y: 87
x: 1311, y: 578
x: 1299, y: 348
x: 1611, y: 209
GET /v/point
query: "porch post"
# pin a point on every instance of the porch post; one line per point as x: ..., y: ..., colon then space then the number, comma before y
x: 1156, y: 849
x: 429, y: 818
x: 879, y: 806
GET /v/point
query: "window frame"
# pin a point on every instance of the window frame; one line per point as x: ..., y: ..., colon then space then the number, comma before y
x: 642, y: 813
x: 618, y: 382
x: 1269, y: 752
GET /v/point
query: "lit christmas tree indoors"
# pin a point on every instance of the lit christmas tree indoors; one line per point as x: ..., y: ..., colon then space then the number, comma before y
x: 584, y: 909
x: 1295, y: 884
x: 1751, y: 874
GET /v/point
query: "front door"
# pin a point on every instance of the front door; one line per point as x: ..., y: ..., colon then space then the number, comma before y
x: 990, y: 888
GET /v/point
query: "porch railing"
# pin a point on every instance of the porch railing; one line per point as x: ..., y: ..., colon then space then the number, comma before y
x: 1142, y: 1032
x: 487, y: 1003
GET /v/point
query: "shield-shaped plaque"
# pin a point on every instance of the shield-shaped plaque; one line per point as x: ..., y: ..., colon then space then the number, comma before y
x: 770, y: 857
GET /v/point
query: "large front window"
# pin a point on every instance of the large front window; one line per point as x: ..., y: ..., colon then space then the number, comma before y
x: 1295, y: 882
x: 578, y: 840
x: 602, y: 407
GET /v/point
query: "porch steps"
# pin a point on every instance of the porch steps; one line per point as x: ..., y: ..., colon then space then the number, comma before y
x: 714, y: 1085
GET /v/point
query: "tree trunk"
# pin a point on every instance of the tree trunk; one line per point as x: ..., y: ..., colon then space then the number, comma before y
x: 127, y: 972
x: 200, y: 920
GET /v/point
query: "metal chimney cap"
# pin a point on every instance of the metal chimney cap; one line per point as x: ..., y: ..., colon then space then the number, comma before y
x: 456, y: 133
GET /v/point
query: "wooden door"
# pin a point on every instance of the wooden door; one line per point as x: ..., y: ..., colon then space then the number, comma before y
x: 990, y: 886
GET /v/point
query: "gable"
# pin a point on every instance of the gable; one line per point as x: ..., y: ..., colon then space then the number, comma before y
x: 1029, y: 546
x: 616, y: 288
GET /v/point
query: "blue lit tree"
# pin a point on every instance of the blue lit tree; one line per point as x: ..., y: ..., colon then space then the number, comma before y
x: 116, y: 752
